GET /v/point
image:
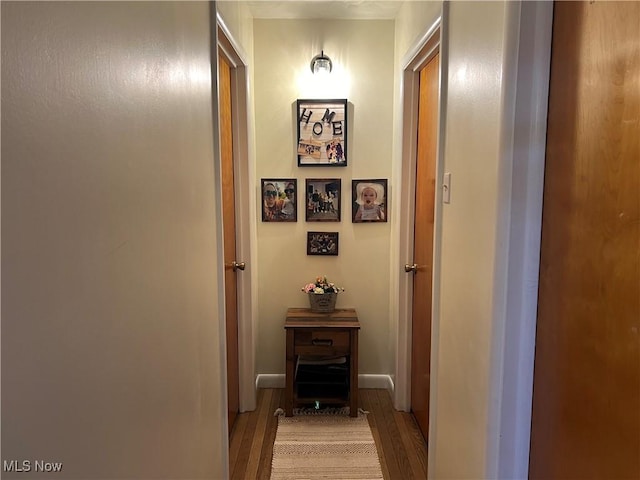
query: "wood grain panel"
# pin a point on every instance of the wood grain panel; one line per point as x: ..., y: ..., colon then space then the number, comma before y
x: 229, y: 232
x: 237, y: 433
x: 239, y: 468
x: 423, y: 243
x: 394, y: 430
x: 586, y: 405
x: 368, y: 406
x: 260, y: 434
x: 387, y: 451
x: 271, y: 427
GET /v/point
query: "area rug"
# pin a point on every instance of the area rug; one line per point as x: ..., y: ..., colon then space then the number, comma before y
x: 324, y: 445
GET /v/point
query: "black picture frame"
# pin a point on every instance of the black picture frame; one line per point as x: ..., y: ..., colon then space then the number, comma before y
x: 283, y: 206
x: 322, y: 243
x: 322, y: 133
x: 322, y: 199
x: 377, y: 210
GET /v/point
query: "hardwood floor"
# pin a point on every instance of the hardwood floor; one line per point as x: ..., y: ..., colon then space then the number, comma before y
x: 401, y: 447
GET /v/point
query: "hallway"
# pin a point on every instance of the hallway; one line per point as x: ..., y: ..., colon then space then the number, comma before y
x: 114, y: 346
x: 402, y: 450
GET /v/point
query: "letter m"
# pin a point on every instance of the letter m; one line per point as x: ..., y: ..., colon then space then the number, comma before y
x: 328, y: 117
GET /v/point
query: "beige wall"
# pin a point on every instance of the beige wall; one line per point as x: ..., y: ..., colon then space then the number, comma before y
x: 111, y: 358
x: 413, y: 20
x: 238, y: 19
x: 362, y: 52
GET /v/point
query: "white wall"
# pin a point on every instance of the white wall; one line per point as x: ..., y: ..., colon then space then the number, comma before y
x: 477, y: 404
x: 470, y: 247
x: 362, y: 52
x: 111, y: 357
x: 475, y: 237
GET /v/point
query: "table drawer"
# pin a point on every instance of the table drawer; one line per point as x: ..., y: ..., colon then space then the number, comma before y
x: 321, y: 338
x: 321, y: 342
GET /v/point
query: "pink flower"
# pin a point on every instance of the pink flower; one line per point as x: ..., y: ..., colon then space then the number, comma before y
x: 321, y: 285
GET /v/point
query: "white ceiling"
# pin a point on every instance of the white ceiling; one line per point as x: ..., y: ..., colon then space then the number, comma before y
x: 335, y: 9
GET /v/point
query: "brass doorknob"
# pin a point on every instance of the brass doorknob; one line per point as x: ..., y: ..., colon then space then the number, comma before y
x: 411, y: 268
x: 237, y: 266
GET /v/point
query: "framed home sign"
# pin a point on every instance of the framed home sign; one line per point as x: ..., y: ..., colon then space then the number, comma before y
x: 322, y: 133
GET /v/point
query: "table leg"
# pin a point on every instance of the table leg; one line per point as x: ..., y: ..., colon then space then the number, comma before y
x: 290, y: 366
x: 353, y: 372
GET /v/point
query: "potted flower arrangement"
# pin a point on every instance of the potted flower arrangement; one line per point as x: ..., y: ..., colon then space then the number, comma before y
x: 322, y: 295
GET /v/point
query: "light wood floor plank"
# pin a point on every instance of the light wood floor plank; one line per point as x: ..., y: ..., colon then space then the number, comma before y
x: 367, y: 405
x: 259, y: 436
x: 392, y: 416
x: 238, y: 470
x: 264, y: 470
x: 418, y: 449
x: 235, y: 440
x: 414, y: 465
x: 387, y: 435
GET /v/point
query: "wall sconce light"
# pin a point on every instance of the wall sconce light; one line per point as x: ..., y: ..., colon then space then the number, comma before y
x: 321, y: 63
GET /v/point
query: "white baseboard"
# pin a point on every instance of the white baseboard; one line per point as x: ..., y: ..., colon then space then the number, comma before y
x: 367, y: 380
x: 276, y: 380
x: 270, y: 380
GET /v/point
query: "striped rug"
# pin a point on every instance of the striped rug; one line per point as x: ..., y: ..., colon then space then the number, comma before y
x: 335, y: 447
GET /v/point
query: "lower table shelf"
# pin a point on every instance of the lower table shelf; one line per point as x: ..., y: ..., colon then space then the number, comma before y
x: 323, y: 380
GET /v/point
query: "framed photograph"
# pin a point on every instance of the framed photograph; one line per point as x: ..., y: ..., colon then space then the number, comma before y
x: 322, y: 243
x: 322, y: 133
x: 370, y: 201
x: 279, y: 200
x: 322, y: 199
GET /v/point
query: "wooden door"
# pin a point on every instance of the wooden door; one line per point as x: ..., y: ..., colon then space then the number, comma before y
x: 229, y: 227
x: 423, y: 243
x: 586, y: 394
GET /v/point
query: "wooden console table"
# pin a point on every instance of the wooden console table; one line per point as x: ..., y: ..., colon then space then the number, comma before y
x: 322, y: 336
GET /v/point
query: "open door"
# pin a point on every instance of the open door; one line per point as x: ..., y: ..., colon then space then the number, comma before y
x: 424, y: 242
x: 586, y: 391
x: 229, y: 226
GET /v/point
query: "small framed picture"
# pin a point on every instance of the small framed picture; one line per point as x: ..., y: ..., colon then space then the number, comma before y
x: 322, y: 133
x: 370, y: 201
x: 322, y: 199
x: 279, y: 200
x: 322, y: 243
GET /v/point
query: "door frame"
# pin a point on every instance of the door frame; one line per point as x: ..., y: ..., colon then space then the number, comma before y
x: 523, y: 142
x: 417, y: 58
x: 245, y: 202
